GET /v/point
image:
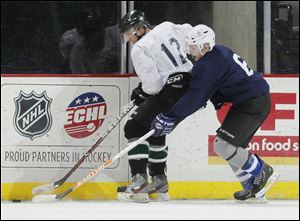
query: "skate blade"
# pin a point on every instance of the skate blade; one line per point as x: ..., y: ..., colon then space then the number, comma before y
x: 253, y: 200
x: 272, y: 180
x: 159, y: 197
x: 134, y: 197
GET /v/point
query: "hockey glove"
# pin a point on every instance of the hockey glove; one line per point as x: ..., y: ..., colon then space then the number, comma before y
x: 138, y: 95
x: 163, y: 125
x: 218, y: 102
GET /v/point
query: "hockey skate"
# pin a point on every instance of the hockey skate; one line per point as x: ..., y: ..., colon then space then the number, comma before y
x: 136, y: 191
x: 158, y: 188
x: 260, y: 187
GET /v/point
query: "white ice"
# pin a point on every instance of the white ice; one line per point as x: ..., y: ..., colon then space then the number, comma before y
x: 172, y: 210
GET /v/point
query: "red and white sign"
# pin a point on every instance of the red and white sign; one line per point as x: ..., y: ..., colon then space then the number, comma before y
x: 85, y: 115
x: 280, y: 143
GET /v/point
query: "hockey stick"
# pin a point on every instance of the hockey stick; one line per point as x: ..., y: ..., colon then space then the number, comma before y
x: 47, y: 198
x: 51, y: 186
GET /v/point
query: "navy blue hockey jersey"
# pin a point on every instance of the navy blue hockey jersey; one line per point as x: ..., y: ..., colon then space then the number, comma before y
x: 219, y: 75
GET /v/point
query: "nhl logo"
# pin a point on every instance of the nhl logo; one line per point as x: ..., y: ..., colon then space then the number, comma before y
x: 32, y: 117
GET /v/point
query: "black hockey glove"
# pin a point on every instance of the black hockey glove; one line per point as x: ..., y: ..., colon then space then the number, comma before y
x: 138, y: 95
x: 218, y: 102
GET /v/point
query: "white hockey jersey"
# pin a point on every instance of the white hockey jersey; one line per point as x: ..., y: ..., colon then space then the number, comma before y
x: 160, y: 53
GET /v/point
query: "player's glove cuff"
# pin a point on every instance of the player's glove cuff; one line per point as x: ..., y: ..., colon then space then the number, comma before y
x: 163, y: 125
x: 138, y: 95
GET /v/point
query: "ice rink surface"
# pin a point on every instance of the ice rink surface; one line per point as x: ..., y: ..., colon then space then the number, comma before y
x: 172, y: 210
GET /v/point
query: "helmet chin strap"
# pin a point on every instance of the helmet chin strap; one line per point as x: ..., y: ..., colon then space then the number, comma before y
x: 200, y: 50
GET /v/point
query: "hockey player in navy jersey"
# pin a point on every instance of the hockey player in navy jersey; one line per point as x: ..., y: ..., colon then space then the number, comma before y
x: 221, y: 76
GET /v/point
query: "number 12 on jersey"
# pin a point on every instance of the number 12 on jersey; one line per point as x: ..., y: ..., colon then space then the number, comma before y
x: 170, y: 55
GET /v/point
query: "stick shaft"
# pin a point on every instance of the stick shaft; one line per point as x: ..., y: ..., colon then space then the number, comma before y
x: 106, y: 164
x: 58, y: 183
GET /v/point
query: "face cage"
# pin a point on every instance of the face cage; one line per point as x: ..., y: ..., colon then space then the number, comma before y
x: 199, y: 46
x: 188, y: 44
x: 125, y: 36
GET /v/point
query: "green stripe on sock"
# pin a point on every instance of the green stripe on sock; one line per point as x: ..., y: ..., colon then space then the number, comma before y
x: 158, y: 155
x: 139, y: 149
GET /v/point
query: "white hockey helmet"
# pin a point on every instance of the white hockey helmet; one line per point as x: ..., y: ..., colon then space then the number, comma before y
x: 200, y: 35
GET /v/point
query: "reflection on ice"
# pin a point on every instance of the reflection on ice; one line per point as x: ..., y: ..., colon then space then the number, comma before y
x: 175, y: 209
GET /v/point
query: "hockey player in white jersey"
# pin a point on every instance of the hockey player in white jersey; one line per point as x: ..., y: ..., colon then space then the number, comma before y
x: 164, y: 70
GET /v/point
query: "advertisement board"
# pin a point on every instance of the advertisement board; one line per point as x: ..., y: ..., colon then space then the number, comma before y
x: 49, y: 122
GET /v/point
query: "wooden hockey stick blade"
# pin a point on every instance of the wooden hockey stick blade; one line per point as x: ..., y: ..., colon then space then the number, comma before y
x: 44, y: 188
x: 44, y: 198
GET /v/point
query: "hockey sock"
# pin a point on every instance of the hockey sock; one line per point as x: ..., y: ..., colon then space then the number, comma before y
x: 138, y: 166
x: 244, y: 164
x: 246, y: 174
x: 157, y: 168
x: 157, y: 159
x: 138, y: 158
x: 235, y: 156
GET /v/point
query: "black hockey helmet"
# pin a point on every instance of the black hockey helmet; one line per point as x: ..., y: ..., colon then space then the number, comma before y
x: 89, y: 22
x: 133, y: 19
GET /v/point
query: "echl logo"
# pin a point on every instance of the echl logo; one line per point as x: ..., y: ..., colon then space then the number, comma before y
x: 32, y: 116
x: 85, y: 115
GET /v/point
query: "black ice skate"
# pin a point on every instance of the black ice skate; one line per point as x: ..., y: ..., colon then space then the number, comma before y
x: 260, y: 187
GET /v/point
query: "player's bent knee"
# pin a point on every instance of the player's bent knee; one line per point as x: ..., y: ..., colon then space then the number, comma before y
x: 222, y: 148
x: 133, y: 129
x: 218, y: 145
